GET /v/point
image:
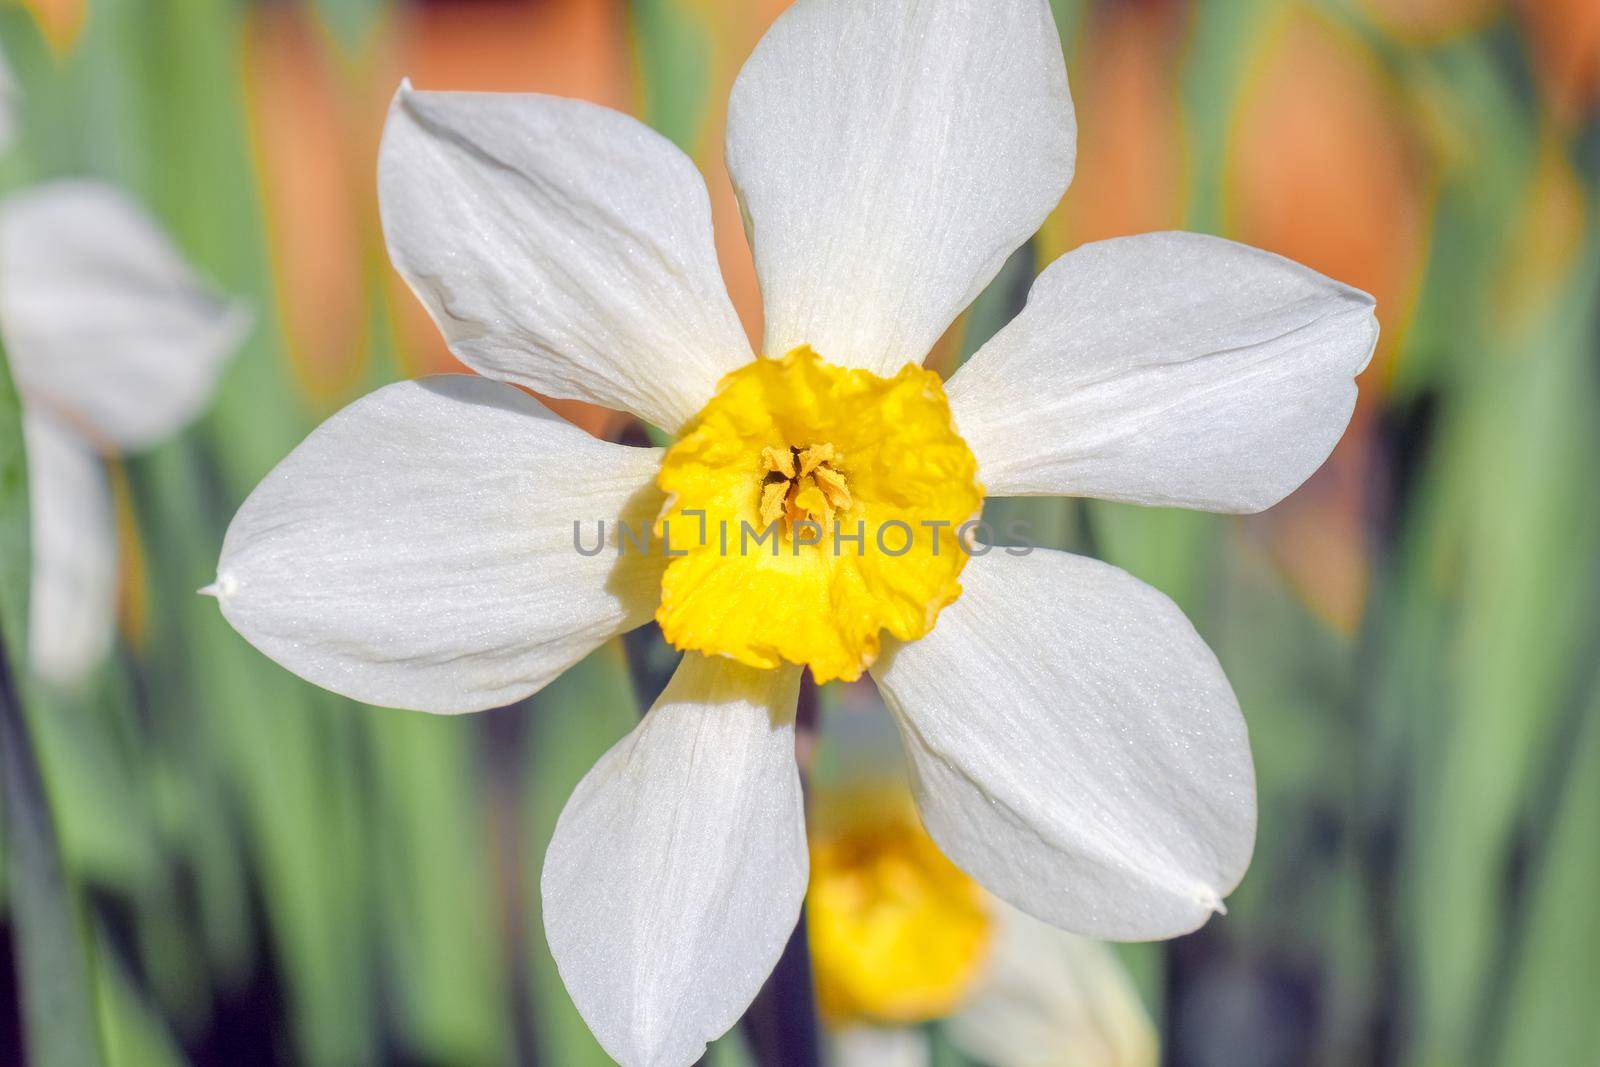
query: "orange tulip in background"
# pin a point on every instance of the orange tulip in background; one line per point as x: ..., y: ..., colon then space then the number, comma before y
x: 1563, y: 37
x: 59, y: 20
x: 1565, y: 40
x: 735, y: 26
x: 1130, y: 169
x: 316, y: 197
x: 317, y: 117
x: 1326, y: 166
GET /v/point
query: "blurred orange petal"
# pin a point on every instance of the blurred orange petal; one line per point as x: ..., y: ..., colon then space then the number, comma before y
x: 1565, y: 35
x: 1130, y: 135
x: 1327, y: 167
x: 567, y: 47
x: 59, y: 20
x: 314, y: 195
x: 735, y: 26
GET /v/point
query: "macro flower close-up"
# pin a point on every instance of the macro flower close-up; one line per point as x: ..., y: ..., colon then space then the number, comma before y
x: 799, y: 533
x: 1074, y: 745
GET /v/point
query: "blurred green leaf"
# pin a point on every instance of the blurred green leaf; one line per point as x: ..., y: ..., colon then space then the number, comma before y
x: 136, y: 1035
x: 1068, y: 15
x: 352, y: 22
x: 1224, y: 37
x: 672, y: 49
x: 1174, y: 550
x: 276, y: 754
x: 1550, y: 1016
x: 54, y: 962
x: 443, y: 930
x: 1294, y: 680
x: 1523, y: 551
x: 570, y: 725
x: 1487, y: 123
x: 15, y: 533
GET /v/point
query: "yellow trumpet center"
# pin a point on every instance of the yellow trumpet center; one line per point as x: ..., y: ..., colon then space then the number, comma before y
x: 809, y: 508
x: 898, y: 934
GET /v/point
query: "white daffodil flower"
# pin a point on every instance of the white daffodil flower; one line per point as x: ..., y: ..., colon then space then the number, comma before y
x: 115, y: 344
x: 1074, y: 744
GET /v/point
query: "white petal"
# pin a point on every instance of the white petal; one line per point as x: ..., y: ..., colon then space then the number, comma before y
x: 72, y: 609
x: 1168, y: 368
x: 678, y: 866
x: 870, y: 1046
x: 890, y: 155
x: 561, y: 246
x: 1075, y: 747
x: 103, y: 318
x: 417, y: 550
x: 1052, y: 999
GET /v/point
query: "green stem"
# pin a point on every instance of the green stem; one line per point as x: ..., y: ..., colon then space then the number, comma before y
x: 53, y: 961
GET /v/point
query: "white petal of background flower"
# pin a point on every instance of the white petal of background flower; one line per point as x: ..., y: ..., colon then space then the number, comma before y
x: 890, y: 155
x: 561, y: 246
x: 72, y: 610
x: 416, y: 550
x: 678, y: 866
x: 1168, y: 368
x: 1052, y: 999
x: 103, y: 319
x: 1075, y: 747
x: 872, y: 1046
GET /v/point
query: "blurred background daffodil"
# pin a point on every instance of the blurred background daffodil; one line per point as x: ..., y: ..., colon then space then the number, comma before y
x: 900, y: 938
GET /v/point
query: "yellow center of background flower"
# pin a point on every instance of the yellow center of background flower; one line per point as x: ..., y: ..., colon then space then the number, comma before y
x: 818, y: 507
x: 898, y: 934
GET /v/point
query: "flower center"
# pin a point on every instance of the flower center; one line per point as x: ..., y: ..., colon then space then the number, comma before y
x: 809, y: 508
x: 898, y: 933
x: 802, y: 484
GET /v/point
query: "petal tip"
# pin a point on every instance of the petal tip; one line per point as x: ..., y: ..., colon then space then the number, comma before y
x: 1214, y: 902
x: 221, y: 589
x: 404, y: 91
x: 1374, y: 331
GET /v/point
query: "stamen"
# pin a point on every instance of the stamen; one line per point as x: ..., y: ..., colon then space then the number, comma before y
x: 801, y: 484
x: 773, y: 502
x: 833, y: 486
x: 814, y: 457
x: 778, y: 461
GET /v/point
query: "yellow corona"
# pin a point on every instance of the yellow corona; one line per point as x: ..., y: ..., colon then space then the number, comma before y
x: 817, y: 507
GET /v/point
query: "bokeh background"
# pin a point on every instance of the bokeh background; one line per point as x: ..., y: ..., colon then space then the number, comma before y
x: 252, y: 870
